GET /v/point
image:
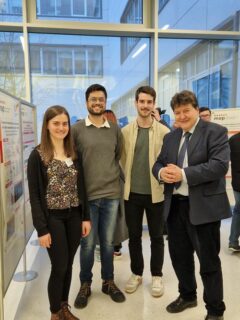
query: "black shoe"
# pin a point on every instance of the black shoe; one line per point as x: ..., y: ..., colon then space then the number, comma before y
x: 208, y: 317
x: 179, y: 305
x: 234, y: 248
x: 109, y: 287
x: 82, y: 296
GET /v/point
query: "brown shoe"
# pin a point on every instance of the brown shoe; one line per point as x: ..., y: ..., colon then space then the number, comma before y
x: 110, y: 288
x: 57, y: 316
x: 67, y: 313
x: 84, y: 293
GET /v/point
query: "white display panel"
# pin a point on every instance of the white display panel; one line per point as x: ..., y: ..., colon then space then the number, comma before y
x: 28, y: 123
x: 16, y: 139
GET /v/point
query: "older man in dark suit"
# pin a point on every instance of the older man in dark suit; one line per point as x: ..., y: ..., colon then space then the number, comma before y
x: 192, y: 164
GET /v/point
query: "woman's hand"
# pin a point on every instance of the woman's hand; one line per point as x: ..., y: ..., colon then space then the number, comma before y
x: 45, y: 241
x: 86, y: 228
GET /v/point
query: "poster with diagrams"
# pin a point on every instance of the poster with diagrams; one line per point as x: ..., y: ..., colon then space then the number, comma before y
x: 28, y: 122
x: 12, y: 180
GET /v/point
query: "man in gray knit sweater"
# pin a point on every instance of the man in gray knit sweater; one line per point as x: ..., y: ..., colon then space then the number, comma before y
x: 99, y: 143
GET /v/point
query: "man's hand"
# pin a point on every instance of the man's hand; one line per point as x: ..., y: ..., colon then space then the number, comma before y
x: 171, y: 173
x: 86, y: 228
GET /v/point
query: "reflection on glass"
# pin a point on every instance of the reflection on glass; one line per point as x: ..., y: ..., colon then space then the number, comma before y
x: 66, y: 59
x: 69, y: 8
x: 10, y: 10
x: 199, y: 15
x: 63, y: 66
x: 124, y: 11
x: 208, y: 68
x: 12, y: 63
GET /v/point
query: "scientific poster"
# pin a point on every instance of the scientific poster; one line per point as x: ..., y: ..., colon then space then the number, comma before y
x: 28, y: 143
x: 11, y: 185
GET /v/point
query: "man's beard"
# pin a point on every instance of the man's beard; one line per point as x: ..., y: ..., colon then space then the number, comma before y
x: 144, y: 115
x: 99, y: 113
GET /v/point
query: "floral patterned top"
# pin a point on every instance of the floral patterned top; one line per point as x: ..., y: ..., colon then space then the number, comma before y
x: 62, y: 185
x: 62, y: 190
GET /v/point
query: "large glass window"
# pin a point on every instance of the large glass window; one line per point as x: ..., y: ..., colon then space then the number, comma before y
x: 206, y: 67
x: 12, y: 63
x: 124, y: 11
x: 10, y: 10
x: 63, y: 66
x: 199, y: 15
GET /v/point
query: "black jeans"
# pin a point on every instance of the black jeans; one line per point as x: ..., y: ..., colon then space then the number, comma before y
x: 185, y: 238
x: 65, y: 229
x: 134, y: 209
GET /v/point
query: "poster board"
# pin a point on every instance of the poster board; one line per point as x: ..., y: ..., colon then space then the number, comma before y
x: 29, y: 139
x: 12, y: 184
x: 229, y: 118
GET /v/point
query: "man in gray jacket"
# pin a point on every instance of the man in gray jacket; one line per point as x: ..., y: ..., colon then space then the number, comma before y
x: 100, y: 143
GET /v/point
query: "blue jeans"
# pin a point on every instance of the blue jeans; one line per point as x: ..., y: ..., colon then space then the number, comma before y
x: 235, y: 226
x: 103, y: 214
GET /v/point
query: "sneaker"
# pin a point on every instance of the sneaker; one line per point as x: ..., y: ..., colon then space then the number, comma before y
x: 133, y: 282
x: 117, y: 255
x: 82, y: 296
x: 234, y: 247
x: 157, y: 286
x: 109, y: 287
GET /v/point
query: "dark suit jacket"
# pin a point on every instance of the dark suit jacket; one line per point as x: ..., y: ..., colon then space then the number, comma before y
x: 234, y: 142
x: 208, y: 160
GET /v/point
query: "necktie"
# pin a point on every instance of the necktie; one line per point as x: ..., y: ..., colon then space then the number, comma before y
x: 182, y: 154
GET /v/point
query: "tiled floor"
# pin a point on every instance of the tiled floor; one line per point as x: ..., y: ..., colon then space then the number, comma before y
x: 139, y: 305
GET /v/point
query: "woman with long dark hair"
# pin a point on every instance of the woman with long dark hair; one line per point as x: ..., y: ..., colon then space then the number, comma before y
x: 59, y: 204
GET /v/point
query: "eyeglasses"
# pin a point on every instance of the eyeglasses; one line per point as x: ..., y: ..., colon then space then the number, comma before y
x: 94, y: 100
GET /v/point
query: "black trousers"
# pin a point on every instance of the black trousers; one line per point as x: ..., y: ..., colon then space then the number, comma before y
x: 65, y: 229
x: 134, y: 209
x: 185, y: 238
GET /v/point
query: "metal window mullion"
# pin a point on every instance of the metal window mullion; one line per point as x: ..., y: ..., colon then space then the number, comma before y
x: 154, y: 47
x: 26, y: 52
